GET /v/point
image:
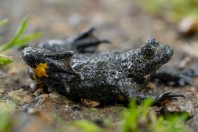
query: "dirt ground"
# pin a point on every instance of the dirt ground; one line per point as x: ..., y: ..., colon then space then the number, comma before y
x: 124, y: 22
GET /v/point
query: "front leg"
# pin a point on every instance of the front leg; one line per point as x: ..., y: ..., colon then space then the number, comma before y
x: 158, y: 100
x: 133, y: 91
x: 165, y: 98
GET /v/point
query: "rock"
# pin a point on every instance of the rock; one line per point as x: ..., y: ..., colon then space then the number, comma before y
x: 188, y: 26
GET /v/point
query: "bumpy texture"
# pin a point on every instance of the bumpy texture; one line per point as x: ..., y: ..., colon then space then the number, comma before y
x: 106, y: 77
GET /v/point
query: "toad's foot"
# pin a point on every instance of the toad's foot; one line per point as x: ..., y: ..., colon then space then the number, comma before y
x: 165, y: 98
x: 159, y: 100
x: 86, y: 41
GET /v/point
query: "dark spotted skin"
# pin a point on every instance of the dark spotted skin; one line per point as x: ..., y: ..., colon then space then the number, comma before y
x: 106, y: 77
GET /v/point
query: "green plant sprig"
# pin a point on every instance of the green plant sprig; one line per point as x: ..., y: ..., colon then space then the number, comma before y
x: 5, y: 60
x: 136, y: 119
x: 3, y: 22
x: 18, y: 40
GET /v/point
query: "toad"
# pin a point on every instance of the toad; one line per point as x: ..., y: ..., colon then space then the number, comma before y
x: 105, y: 77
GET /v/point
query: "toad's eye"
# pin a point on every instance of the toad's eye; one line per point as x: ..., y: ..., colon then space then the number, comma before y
x: 148, y: 51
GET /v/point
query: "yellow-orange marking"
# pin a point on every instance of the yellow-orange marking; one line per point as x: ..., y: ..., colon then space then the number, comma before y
x: 164, y: 102
x: 40, y: 70
x: 121, y: 98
